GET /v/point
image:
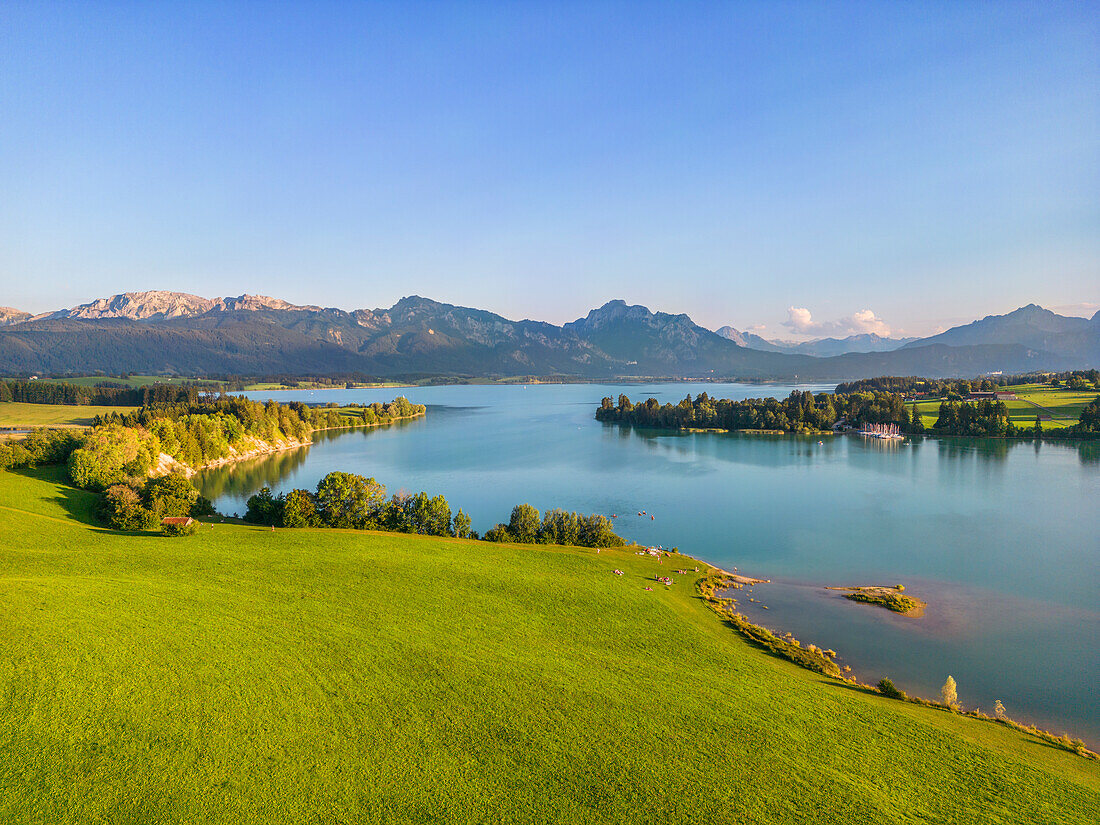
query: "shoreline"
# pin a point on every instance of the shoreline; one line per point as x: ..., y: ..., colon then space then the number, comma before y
x: 812, y: 657
x: 167, y: 464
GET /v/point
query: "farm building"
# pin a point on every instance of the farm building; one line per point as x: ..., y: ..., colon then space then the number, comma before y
x: 177, y: 521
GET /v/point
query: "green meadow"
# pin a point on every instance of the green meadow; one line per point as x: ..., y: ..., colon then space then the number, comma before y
x: 1063, y: 406
x: 249, y: 676
x: 18, y: 414
x: 129, y: 381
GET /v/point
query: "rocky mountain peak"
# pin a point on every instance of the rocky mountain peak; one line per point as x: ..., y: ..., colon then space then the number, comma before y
x: 11, y: 315
x: 141, y: 306
x: 253, y: 303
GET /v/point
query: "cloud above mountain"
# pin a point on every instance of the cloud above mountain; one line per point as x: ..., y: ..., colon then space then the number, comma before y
x: 800, y: 320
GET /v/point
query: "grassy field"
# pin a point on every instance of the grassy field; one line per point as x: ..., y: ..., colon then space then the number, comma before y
x: 1063, y: 406
x: 16, y: 414
x: 244, y: 675
x: 131, y: 381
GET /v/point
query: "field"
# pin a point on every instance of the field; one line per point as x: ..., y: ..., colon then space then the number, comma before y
x: 131, y: 381
x: 16, y: 414
x: 244, y: 675
x: 1063, y: 406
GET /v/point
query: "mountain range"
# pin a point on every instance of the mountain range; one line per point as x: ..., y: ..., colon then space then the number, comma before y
x: 820, y: 347
x: 160, y: 332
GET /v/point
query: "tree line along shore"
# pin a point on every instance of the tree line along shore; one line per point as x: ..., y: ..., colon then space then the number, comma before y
x: 962, y: 409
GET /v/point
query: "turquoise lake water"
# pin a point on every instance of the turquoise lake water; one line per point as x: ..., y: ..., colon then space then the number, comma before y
x: 1002, y: 539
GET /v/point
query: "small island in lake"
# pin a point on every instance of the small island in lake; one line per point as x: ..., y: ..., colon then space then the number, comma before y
x: 892, y: 598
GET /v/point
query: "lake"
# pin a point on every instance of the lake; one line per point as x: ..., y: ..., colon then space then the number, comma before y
x: 1002, y: 539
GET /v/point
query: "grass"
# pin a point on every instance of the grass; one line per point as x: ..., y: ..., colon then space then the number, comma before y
x: 131, y: 381
x: 891, y: 601
x: 1063, y: 406
x: 18, y: 414
x: 243, y: 676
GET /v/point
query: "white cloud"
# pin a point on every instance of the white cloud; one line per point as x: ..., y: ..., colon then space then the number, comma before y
x: 801, y: 320
x: 1085, y: 310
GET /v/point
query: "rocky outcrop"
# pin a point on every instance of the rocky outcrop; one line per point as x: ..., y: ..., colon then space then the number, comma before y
x: 10, y: 315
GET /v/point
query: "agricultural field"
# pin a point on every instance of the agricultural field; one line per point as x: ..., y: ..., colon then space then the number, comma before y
x: 1061, y: 403
x: 131, y: 381
x: 244, y: 675
x: 1063, y: 406
x: 17, y: 414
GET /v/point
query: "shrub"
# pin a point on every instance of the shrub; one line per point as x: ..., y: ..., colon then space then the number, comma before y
x: 177, y: 530
x: 122, y: 509
x: 171, y: 495
x: 264, y: 508
x: 498, y: 534
x: 300, y: 509
x: 886, y: 688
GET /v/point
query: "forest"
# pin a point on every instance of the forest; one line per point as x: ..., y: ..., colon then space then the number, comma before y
x: 104, y: 394
x: 800, y: 412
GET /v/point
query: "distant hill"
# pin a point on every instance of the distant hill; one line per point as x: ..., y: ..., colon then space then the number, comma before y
x: 163, y: 332
x: 865, y: 342
x: 750, y: 340
x: 820, y: 347
x: 1075, y: 339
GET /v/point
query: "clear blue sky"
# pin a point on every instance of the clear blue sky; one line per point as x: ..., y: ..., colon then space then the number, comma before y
x: 928, y: 162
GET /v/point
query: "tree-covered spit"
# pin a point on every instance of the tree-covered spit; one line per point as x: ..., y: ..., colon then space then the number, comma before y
x: 800, y: 412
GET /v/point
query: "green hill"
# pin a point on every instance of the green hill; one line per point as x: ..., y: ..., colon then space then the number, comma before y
x: 242, y: 676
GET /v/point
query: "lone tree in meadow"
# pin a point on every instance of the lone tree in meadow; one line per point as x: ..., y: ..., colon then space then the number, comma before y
x: 950, y: 694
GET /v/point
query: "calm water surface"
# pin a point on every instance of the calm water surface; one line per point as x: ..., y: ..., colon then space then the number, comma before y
x: 1001, y: 539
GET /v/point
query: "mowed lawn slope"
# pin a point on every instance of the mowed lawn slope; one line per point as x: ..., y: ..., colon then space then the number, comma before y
x: 247, y: 676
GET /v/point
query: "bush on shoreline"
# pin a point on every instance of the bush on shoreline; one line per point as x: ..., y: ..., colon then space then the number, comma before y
x: 349, y: 501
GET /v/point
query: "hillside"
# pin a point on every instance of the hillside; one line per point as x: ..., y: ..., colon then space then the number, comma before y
x: 175, y: 333
x: 248, y: 676
x: 1032, y: 327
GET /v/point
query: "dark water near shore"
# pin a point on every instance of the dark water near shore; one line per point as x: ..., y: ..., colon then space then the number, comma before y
x: 1002, y: 539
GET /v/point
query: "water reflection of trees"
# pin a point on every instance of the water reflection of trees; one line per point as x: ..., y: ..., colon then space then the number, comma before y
x: 242, y: 478
x: 998, y: 449
x: 758, y: 448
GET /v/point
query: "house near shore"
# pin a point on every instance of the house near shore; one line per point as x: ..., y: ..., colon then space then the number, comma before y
x: 177, y: 521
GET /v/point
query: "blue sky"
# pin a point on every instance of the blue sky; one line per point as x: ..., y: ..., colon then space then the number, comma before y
x: 803, y: 168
